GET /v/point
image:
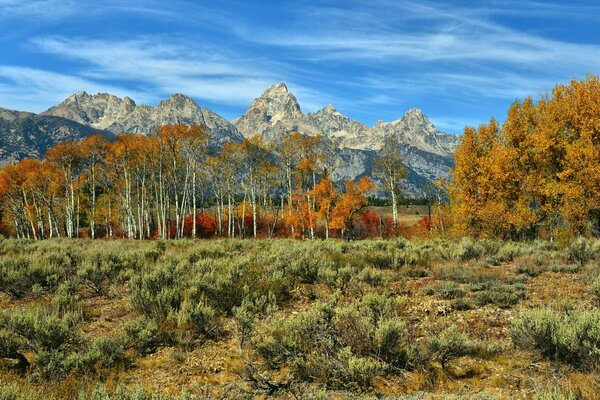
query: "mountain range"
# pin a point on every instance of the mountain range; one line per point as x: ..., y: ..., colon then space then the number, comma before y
x: 428, y: 153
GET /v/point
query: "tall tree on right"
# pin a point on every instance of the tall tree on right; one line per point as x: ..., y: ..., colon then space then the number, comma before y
x: 390, y: 169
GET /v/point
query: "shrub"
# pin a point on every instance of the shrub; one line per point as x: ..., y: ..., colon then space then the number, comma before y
x: 467, y: 249
x: 143, y: 334
x: 568, y: 268
x: 372, y: 276
x: 530, y: 266
x: 580, y: 250
x: 595, y: 289
x: 461, y: 304
x: 19, y: 275
x: 417, y: 272
x: 306, y: 267
x: 326, y: 344
x: 157, y: 291
x: 448, y: 345
x: 572, y: 338
x: 98, y: 271
x: 451, y: 344
x: 200, y: 316
x: 503, y: 296
x: 104, y: 352
x: 448, y: 290
x: 47, y: 331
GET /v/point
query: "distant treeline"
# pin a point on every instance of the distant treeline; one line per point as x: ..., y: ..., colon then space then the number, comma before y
x: 168, y: 185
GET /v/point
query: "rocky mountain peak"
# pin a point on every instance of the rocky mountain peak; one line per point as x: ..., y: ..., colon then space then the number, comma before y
x: 272, y: 114
x: 415, y: 116
x: 277, y: 88
x: 330, y: 109
x: 179, y: 101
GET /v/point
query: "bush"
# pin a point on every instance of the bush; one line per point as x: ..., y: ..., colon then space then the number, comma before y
x: 451, y: 344
x: 99, y: 270
x: 504, y: 297
x: 143, y: 334
x: 372, y: 276
x: 467, y: 249
x: 595, y: 289
x: 337, y: 346
x: 448, y: 345
x: 572, y: 338
x: 19, y: 275
x: 448, y: 290
x: 157, y: 291
x: 581, y: 250
x: 461, y: 304
x: 104, y: 352
x: 201, y: 317
x: 48, y: 331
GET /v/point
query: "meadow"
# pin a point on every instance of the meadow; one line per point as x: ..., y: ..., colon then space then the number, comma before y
x: 290, y: 319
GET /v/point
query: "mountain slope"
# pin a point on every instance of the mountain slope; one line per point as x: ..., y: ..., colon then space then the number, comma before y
x: 428, y: 153
x: 105, y: 111
x: 24, y: 135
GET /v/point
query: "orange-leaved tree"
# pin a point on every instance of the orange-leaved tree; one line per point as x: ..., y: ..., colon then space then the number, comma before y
x: 352, y: 201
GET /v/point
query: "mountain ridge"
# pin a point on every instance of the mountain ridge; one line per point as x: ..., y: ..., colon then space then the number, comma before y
x: 428, y: 152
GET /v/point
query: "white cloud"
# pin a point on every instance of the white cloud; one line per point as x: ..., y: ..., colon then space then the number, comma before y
x: 163, y: 65
x: 35, y: 90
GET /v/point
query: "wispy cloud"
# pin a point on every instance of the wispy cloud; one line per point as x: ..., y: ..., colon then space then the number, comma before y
x: 372, y: 60
x: 163, y: 65
x: 40, y: 9
x: 35, y: 90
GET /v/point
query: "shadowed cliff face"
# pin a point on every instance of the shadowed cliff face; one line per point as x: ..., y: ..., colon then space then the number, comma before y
x: 428, y: 153
x: 26, y: 135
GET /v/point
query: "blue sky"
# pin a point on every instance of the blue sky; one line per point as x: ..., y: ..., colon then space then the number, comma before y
x: 459, y: 63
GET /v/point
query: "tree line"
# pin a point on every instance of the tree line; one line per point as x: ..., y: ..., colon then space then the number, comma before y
x: 537, y: 176
x: 171, y: 185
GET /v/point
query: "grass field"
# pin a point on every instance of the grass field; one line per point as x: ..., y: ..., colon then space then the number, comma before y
x: 291, y: 319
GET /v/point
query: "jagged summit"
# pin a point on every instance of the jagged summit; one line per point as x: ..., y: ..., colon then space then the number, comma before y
x: 329, y: 109
x: 277, y: 87
x: 275, y: 112
x: 105, y: 111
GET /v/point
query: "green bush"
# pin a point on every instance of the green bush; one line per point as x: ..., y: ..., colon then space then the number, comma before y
x: 448, y: 290
x: 99, y: 271
x: 50, y: 332
x: 595, y: 289
x: 572, y: 338
x: 581, y: 250
x: 372, y: 276
x: 451, y: 344
x: 19, y: 275
x: 467, y: 249
x: 102, y: 353
x: 143, y: 334
x: 157, y: 291
x: 337, y: 345
x: 461, y: 304
x: 200, y: 317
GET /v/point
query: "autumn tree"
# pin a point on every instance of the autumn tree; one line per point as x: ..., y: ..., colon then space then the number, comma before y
x: 255, y: 155
x: 538, y: 175
x: 352, y: 201
x: 93, y: 153
x: 325, y: 196
x: 388, y: 167
x: 66, y: 157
